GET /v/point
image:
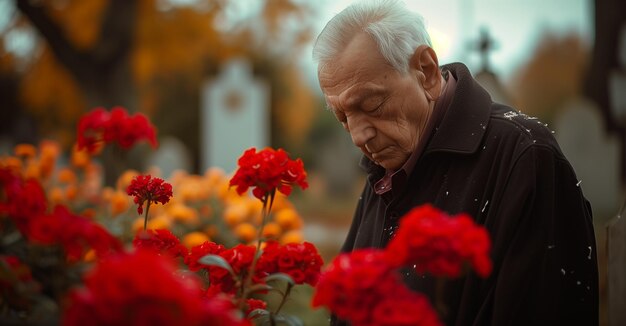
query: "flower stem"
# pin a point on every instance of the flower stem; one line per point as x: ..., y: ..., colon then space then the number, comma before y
x: 284, y: 299
x: 268, y: 200
x: 145, y: 221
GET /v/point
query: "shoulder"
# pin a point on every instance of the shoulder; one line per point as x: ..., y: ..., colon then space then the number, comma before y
x: 521, y: 132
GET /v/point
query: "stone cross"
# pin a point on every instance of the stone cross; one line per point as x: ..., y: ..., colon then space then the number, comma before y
x: 235, y: 116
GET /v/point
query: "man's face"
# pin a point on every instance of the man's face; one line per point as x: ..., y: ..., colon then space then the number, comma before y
x: 383, y: 110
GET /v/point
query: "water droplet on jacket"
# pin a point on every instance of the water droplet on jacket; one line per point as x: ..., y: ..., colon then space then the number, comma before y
x: 551, y: 246
x: 562, y: 271
x: 578, y: 183
x: 589, y: 256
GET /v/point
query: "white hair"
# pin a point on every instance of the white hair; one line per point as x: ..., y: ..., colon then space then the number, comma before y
x: 396, y: 30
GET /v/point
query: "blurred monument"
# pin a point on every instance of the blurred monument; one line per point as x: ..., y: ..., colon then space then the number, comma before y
x: 485, y: 76
x: 606, y: 85
x: 234, y: 116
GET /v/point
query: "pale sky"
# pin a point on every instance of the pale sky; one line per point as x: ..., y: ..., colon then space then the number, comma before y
x: 516, y: 26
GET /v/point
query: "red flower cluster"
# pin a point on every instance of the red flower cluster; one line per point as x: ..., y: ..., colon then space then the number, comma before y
x: 161, y: 241
x: 25, y: 204
x: 145, y: 188
x: 267, y: 171
x: 199, y: 251
x: 363, y: 287
x: 143, y: 288
x: 240, y: 259
x: 22, y: 201
x: 439, y: 244
x: 75, y: 233
x: 301, y: 261
x: 102, y: 127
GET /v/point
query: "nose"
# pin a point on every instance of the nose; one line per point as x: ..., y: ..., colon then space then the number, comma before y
x: 361, y: 132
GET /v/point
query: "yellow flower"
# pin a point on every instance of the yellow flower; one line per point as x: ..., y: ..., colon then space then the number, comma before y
x: 271, y: 230
x: 288, y: 219
x: 182, y: 213
x: 193, y: 239
x: 124, y: 180
x: 291, y: 237
x: 119, y: 202
x: 246, y: 232
x: 235, y: 214
x: 158, y: 222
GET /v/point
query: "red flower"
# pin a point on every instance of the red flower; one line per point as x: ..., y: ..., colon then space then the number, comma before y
x: 160, y: 241
x: 143, y: 288
x: 404, y: 307
x: 437, y: 243
x: 240, y: 259
x: 353, y: 283
x: 267, y: 171
x: 22, y: 201
x: 74, y: 233
x: 300, y: 261
x: 199, y: 251
x: 363, y: 288
x: 145, y: 188
x: 254, y: 304
x: 102, y: 127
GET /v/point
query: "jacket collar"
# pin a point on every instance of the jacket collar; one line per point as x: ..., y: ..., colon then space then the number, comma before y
x: 465, y: 122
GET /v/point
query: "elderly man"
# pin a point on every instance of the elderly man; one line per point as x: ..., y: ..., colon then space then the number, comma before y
x: 432, y: 134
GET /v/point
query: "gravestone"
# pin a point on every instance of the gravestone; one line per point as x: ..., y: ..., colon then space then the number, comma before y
x: 616, y: 276
x: 234, y: 116
x: 171, y: 155
x: 594, y: 154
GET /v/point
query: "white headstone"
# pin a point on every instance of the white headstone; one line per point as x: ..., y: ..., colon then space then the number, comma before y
x: 171, y: 155
x: 235, y: 116
x: 594, y: 154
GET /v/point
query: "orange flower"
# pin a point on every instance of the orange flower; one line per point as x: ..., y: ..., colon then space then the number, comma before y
x: 118, y: 203
x: 235, y: 214
x: 125, y: 179
x: 25, y: 151
x: 246, y: 232
x: 182, y: 213
x: 48, y: 153
x: 271, y: 230
x: 292, y: 237
x: 66, y: 175
x: 193, y: 239
x: 288, y: 219
x: 80, y: 158
x: 11, y: 163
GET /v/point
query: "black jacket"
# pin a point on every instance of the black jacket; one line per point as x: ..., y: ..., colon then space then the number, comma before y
x: 507, y: 171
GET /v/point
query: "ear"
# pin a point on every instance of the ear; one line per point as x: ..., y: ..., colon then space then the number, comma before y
x: 425, y: 64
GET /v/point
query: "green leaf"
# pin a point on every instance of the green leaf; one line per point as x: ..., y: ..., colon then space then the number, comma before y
x: 288, y: 320
x: 259, y: 287
x: 215, y: 260
x: 280, y: 277
x: 258, y: 313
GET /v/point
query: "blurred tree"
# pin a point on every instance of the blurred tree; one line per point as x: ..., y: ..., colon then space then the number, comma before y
x: 553, y: 75
x: 152, y: 56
